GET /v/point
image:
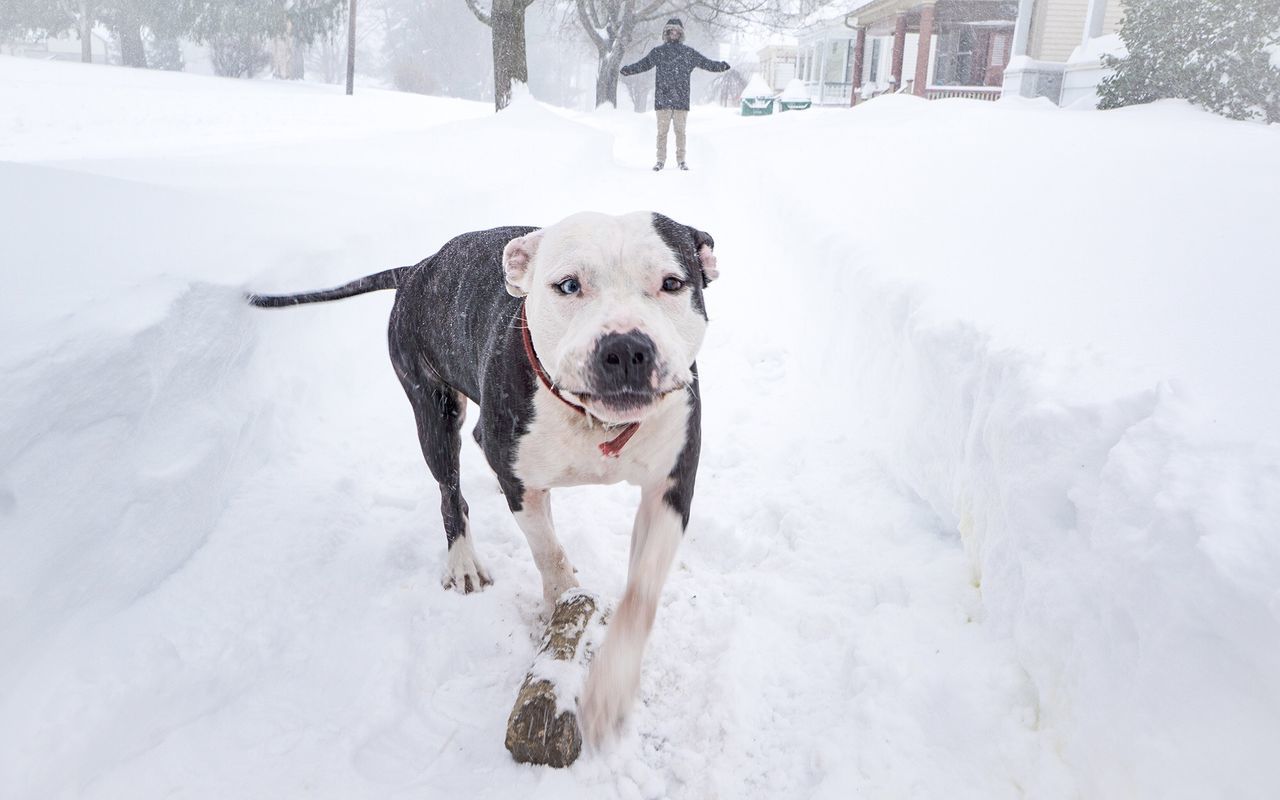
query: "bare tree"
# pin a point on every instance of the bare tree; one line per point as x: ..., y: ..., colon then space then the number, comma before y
x: 505, y: 19
x: 611, y: 26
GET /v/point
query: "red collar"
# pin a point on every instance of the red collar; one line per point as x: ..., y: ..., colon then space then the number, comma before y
x: 610, y: 448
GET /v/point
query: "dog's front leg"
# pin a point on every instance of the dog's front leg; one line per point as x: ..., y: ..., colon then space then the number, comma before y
x: 615, y: 671
x: 534, y: 518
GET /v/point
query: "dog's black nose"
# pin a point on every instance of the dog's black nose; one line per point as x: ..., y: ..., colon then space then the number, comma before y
x: 624, y: 363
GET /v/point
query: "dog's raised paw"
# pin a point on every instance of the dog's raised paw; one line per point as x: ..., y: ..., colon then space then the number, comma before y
x: 608, y: 696
x: 463, y: 571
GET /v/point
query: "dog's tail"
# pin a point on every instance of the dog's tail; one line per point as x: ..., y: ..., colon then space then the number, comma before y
x: 387, y: 279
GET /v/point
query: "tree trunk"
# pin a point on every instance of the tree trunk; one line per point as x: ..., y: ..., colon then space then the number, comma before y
x: 607, y: 74
x: 86, y: 33
x: 132, y: 52
x: 286, y: 56
x: 510, y: 58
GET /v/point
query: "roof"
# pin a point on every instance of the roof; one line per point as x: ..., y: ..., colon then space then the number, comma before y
x: 879, y: 9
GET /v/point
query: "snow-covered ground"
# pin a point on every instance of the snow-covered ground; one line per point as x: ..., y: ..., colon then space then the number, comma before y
x: 990, y: 487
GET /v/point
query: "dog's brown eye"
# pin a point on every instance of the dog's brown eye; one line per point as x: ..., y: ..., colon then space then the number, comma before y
x: 672, y: 284
x: 569, y: 286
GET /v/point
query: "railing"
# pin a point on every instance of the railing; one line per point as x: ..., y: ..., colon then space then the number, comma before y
x: 967, y: 92
x: 829, y: 92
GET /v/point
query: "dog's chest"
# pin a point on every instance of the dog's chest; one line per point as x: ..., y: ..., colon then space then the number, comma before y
x: 561, y: 448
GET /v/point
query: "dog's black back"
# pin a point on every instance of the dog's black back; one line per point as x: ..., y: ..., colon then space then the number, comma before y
x: 452, y: 315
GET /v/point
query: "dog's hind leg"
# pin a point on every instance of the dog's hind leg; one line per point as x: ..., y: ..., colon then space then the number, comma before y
x: 439, y: 410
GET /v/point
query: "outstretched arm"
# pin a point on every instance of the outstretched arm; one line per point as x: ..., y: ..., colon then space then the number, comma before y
x: 703, y: 62
x: 643, y: 65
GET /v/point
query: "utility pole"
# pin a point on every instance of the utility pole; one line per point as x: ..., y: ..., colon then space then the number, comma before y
x: 86, y: 33
x: 351, y: 49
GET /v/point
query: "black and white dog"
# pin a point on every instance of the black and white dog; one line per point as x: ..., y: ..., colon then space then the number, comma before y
x: 578, y: 343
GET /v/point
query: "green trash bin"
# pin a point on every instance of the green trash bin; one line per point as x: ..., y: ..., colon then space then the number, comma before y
x: 795, y: 97
x: 757, y: 106
x: 794, y: 105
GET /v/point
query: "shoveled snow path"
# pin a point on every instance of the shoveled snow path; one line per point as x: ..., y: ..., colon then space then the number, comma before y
x: 281, y: 630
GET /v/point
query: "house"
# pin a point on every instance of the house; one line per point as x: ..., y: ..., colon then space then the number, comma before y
x: 825, y: 60
x: 1058, y: 47
x: 67, y: 47
x: 777, y: 65
x: 933, y: 49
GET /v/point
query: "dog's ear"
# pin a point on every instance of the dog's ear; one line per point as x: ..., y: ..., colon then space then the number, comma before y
x: 706, y: 249
x: 516, y: 258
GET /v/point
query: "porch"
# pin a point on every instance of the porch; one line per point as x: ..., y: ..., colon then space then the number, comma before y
x: 825, y: 61
x: 934, y: 49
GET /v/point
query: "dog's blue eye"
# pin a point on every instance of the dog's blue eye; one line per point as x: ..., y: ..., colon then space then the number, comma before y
x: 569, y: 286
x: 672, y: 285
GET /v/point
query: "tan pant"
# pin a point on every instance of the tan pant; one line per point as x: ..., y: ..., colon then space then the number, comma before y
x: 665, y: 117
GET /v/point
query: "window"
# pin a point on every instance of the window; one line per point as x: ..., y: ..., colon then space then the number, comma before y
x: 955, y: 56
x: 875, y: 61
x: 834, y: 67
x: 998, y: 43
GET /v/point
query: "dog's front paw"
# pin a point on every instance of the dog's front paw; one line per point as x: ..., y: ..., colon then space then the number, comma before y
x: 463, y: 571
x: 557, y: 583
x: 610, y: 691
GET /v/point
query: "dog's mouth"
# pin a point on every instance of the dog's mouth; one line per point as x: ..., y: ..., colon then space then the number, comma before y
x: 623, y: 406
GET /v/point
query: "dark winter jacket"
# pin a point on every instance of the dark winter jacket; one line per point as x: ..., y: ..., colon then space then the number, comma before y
x: 674, y: 62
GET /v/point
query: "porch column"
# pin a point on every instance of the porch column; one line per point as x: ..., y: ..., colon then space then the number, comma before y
x: 845, y: 58
x: 859, y: 49
x: 822, y: 72
x: 1022, y: 27
x: 922, y: 53
x: 899, y: 48
x: 1093, y: 20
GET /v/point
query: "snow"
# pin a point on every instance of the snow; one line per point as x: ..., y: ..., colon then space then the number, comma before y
x: 795, y: 90
x: 1094, y: 50
x: 114, y: 113
x: 1022, y: 63
x: 986, y: 509
x: 757, y: 87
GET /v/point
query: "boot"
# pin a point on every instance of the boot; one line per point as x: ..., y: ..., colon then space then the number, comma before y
x: 658, y: 167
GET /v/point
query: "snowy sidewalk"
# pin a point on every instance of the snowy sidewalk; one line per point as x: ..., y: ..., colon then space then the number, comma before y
x: 219, y: 568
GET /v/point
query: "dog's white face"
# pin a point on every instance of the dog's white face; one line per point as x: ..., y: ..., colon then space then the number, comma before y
x: 614, y: 306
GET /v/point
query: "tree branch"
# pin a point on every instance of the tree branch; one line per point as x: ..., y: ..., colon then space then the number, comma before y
x: 648, y: 13
x: 592, y: 32
x: 479, y: 13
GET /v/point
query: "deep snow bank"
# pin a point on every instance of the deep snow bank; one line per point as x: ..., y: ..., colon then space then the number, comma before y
x: 57, y: 110
x: 1135, y: 569
x: 1078, y: 380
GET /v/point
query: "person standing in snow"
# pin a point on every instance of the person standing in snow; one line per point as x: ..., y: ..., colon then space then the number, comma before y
x: 674, y: 60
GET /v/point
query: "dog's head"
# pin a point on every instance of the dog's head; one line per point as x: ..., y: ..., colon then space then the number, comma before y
x: 614, y: 306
